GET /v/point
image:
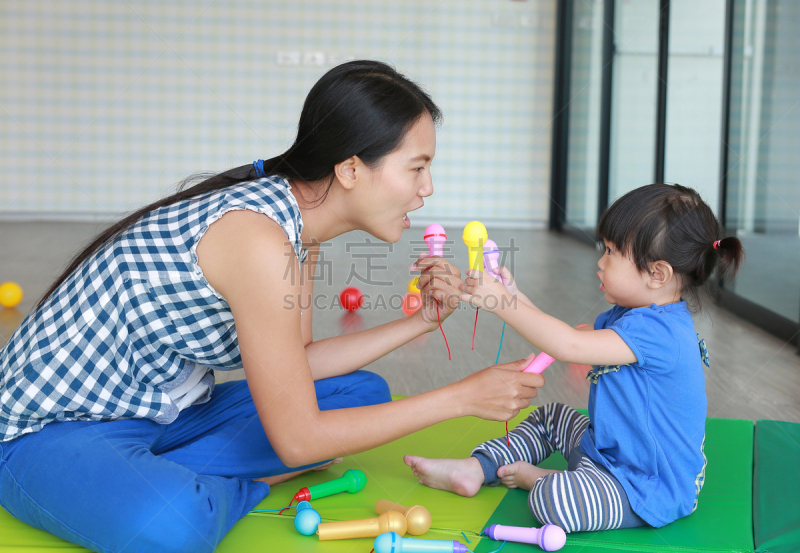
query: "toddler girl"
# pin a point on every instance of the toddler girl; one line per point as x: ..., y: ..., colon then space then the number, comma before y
x: 638, y: 458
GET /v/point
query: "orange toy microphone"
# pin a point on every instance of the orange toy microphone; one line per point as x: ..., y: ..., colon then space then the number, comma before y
x: 390, y: 521
x: 417, y: 516
x: 352, y: 481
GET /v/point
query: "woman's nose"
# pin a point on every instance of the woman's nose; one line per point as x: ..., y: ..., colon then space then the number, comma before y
x: 427, y: 188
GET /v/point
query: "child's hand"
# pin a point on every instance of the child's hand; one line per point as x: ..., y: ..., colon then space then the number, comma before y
x: 440, y: 282
x: 484, y: 291
x: 511, y: 285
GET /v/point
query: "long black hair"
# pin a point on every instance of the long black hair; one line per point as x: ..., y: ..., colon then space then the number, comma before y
x: 361, y: 108
x: 672, y: 223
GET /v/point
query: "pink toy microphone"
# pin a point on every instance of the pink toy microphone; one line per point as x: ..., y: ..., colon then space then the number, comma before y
x: 539, y: 364
x: 491, y: 258
x: 549, y: 537
x: 435, y: 237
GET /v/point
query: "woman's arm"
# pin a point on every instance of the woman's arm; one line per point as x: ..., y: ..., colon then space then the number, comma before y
x: 344, y: 354
x: 237, y: 255
x: 340, y: 355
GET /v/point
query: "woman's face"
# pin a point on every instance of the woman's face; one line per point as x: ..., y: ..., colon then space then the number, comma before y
x: 400, y: 183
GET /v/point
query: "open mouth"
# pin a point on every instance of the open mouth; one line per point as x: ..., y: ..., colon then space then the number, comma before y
x: 406, y: 221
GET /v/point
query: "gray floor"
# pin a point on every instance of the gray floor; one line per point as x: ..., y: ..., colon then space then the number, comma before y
x: 753, y: 375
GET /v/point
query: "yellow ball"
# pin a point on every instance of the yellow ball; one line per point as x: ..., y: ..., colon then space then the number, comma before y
x: 413, y: 285
x: 10, y: 294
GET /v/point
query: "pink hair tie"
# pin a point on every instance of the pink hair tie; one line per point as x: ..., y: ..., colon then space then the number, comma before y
x: 716, y: 244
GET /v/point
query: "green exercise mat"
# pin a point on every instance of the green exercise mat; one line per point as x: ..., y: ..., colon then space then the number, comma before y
x: 722, y: 521
x: 776, y: 487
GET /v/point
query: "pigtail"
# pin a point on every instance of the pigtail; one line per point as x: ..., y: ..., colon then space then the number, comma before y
x: 731, y: 255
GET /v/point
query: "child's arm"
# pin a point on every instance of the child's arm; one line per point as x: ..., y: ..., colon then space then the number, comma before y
x: 552, y: 336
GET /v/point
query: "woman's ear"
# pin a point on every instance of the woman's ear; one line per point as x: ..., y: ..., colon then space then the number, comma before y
x: 660, y: 274
x: 348, y: 171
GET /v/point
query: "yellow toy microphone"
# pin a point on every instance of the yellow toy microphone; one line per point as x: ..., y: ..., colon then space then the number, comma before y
x: 390, y: 521
x: 417, y: 516
x: 475, y: 236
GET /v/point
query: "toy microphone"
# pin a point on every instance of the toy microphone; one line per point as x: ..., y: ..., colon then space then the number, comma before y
x: 435, y: 237
x: 539, y: 364
x: 418, y: 517
x: 351, y: 481
x: 549, y: 537
x: 393, y: 543
x: 390, y: 521
x: 307, y: 519
x: 491, y: 257
x: 475, y: 236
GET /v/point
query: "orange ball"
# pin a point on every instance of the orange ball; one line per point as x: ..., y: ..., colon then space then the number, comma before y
x: 411, y: 303
x: 10, y: 294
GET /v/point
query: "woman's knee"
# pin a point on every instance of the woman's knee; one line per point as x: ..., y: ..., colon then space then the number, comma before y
x: 355, y: 389
x: 376, y: 387
x: 195, y: 519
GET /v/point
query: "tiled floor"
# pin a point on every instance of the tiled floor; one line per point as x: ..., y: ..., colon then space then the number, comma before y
x: 753, y: 375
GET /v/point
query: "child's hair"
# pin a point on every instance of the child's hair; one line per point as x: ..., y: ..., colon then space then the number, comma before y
x: 672, y: 223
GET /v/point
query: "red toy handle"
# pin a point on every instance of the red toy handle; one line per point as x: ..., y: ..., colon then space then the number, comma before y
x: 303, y: 495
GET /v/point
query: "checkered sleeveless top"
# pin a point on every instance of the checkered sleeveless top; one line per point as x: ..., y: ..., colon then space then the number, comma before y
x: 134, y: 320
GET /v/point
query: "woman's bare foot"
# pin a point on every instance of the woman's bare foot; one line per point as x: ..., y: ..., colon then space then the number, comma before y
x: 279, y: 478
x: 461, y: 476
x: 521, y: 474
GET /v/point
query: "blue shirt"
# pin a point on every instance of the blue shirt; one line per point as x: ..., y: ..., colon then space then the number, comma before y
x: 648, y: 418
x: 134, y: 320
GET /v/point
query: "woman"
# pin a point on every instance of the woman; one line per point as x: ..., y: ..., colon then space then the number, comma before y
x: 114, y: 436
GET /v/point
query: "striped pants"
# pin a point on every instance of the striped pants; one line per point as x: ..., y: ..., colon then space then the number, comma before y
x: 585, y: 496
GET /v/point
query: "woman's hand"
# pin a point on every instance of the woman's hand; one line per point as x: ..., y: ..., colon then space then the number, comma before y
x: 484, y: 291
x: 499, y: 392
x: 440, y: 282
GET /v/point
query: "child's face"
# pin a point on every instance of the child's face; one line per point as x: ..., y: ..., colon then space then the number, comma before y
x: 620, y: 280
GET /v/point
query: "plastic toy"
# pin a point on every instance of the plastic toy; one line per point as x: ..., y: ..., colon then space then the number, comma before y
x: 549, y: 537
x: 307, y: 519
x: 351, y: 481
x: 417, y: 516
x: 390, y: 521
x: 435, y: 237
x: 413, y: 286
x: 491, y: 258
x: 538, y: 364
x: 411, y: 303
x: 475, y: 236
x: 391, y: 542
x: 351, y: 298
x: 10, y: 294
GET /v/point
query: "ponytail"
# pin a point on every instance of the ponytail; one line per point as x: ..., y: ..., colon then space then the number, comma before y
x: 731, y: 255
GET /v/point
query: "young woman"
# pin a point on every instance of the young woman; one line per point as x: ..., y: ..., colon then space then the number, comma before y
x: 112, y: 433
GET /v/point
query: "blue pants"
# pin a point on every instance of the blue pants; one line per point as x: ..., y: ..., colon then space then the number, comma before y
x: 135, y: 485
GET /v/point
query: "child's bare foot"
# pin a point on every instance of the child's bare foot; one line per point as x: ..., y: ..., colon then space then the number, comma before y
x: 521, y: 474
x: 461, y: 476
x: 280, y: 478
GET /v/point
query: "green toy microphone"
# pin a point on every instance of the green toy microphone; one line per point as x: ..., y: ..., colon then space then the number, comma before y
x: 351, y: 481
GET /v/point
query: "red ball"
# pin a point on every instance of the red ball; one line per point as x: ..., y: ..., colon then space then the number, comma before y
x: 411, y: 303
x: 351, y: 298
